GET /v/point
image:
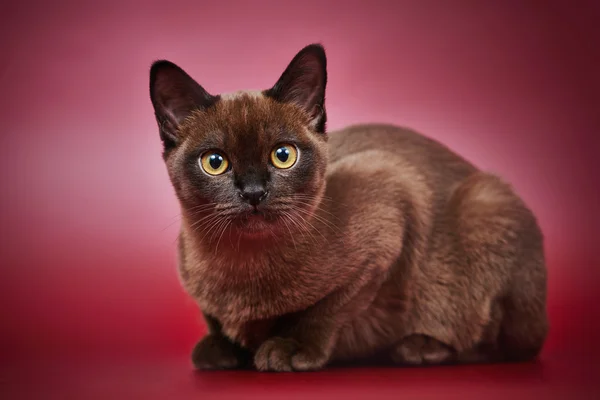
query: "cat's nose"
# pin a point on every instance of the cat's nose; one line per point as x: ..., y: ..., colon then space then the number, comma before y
x: 254, y: 194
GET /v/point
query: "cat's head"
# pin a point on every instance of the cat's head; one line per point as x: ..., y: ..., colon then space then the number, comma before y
x: 249, y: 162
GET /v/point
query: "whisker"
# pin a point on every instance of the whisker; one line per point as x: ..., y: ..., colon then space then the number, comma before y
x: 317, y: 208
x: 227, y: 222
x: 214, y: 228
x: 198, y: 222
x: 312, y: 226
x: 284, y: 219
x: 305, y: 223
x: 320, y: 219
x: 238, y: 243
x: 305, y: 196
x: 225, y: 207
x: 317, y: 217
x: 202, y: 206
x: 221, y: 210
x: 176, y: 219
x: 207, y: 226
x: 303, y: 228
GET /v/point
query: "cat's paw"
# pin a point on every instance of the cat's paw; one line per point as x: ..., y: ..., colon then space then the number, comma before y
x: 216, y: 352
x: 280, y: 354
x: 422, y: 349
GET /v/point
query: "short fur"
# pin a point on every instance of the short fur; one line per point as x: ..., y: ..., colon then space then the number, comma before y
x: 378, y: 241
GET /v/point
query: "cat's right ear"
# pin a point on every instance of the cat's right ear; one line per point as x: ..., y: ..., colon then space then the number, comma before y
x: 175, y: 95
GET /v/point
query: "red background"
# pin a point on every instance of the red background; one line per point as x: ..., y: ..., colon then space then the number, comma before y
x: 91, y: 303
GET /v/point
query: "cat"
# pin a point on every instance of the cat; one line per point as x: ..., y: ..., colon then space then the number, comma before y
x: 304, y: 247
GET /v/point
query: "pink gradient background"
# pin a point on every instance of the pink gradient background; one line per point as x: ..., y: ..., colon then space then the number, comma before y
x: 88, y: 218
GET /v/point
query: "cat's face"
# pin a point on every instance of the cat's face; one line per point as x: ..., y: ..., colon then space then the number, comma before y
x: 249, y: 162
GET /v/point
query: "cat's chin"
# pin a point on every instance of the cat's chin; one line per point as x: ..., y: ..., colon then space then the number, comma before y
x: 256, y: 227
x: 256, y: 234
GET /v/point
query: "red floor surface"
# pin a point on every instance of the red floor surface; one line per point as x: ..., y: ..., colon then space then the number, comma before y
x: 171, y: 378
x: 90, y: 303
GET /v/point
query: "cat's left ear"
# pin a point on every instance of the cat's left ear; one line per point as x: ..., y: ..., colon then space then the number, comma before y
x: 303, y: 83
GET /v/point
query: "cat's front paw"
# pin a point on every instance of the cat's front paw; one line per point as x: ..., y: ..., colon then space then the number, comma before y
x: 283, y: 354
x: 422, y: 349
x: 216, y: 352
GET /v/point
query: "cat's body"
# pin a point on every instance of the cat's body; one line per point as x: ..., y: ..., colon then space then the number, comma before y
x: 388, y: 242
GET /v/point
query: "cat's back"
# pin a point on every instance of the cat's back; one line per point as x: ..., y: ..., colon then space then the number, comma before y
x: 435, y: 162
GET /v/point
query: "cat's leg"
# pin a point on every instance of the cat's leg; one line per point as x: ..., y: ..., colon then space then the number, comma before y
x: 306, y: 340
x: 516, y: 244
x: 418, y: 349
x: 216, y: 351
x: 308, y: 348
x: 525, y: 324
x: 519, y: 328
x: 481, y: 296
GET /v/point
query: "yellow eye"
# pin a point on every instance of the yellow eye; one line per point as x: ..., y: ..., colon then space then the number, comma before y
x: 284, y: 156
x: 214, y: 163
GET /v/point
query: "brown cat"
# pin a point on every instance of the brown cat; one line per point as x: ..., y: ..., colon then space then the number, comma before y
x: 303, y: 247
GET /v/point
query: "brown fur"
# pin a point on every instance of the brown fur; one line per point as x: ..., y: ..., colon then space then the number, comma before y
x: 407, y: 249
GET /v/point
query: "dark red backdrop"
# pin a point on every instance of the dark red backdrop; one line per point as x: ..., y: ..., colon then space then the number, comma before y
x: 89, y: 220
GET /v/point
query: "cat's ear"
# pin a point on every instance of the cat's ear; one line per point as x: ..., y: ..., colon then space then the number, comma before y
x: 175, y: 95
x: 303, y: 83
